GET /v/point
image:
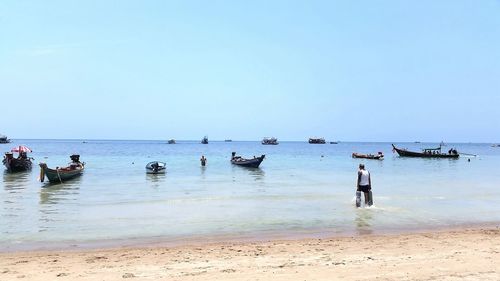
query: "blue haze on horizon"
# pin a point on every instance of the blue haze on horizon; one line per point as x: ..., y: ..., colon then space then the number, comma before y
x: 343, y: 70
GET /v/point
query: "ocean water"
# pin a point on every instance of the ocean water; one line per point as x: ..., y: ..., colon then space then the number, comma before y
x: 300, y: 189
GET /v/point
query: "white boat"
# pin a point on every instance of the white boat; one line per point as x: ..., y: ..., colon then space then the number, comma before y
x: 156, y: 167
x: 270, y: 141
x: 4, y: 139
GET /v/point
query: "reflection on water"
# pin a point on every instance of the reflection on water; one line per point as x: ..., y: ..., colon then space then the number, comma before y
x: 363, y: 221
x: 16, y: 181
x: 53, y: 193
x: 156, y: 179
x: 53, y: 197
x: 257, y: 173
x: 203, y: 170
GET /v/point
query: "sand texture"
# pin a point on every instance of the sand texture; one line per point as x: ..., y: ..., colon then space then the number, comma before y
x: 469, y: 254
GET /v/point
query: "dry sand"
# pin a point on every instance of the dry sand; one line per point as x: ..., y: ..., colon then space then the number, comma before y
x: 469, y: 254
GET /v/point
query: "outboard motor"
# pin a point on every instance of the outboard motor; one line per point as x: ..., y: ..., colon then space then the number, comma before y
x: 75, y: 158
x: 155, y: 167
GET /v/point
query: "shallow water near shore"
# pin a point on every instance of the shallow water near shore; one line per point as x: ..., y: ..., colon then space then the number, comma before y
x: 300, y: 188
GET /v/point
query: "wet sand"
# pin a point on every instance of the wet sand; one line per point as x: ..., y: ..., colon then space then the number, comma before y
x: 467, y: 254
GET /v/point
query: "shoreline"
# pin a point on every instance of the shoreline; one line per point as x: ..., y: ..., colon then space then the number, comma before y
x: 250, y: 237
x: 469, y: 253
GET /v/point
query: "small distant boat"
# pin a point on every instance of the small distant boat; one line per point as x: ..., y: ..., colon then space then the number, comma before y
x: 172, y: 141
x: 228, y: 140
x: 416, y: 142
x: 334, y: 142
x: 250, y: 163
x: 156, y: 167
x: 60, y: 175
x: 495, y: 145
x: 204, y: 140
x: 427, y: 153
x: 270, y: 141
x: 4, y: 139
x: 378, y: 156
x: 317, y: 141
x: 19, y: 164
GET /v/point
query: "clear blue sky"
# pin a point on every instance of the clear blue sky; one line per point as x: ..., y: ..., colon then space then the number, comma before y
x: 344, y: 70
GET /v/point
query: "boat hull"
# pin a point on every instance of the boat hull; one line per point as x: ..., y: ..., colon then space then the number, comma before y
x: 317, y: 141
x: 17, y: 165
x: 406, y: 153
x: 59, y: 175
x: 249, y: 163
x: 159, y: 168
x: 365, y: 156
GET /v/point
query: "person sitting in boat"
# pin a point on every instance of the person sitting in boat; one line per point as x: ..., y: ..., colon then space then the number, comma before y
x: 8, y: 157
x: 75, y: 162
x: 234, y: 157
x: 23, y: 155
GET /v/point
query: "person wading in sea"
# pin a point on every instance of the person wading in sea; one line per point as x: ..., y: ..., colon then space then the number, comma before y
x: 203, y: 160
x: 364, y: 185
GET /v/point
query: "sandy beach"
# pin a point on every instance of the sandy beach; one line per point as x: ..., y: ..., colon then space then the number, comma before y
x: 467, y: 254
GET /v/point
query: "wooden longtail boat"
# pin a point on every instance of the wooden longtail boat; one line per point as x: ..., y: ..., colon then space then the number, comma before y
x: 61, y: 175
x: 156, y: 167
x: 172, y: 141
x: 19, y: 164
x: 250, y: 163
x: 427, y: 153
x: 378, y: 156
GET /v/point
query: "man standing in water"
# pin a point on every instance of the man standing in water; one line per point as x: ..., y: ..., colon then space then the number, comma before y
x: 203, y: 160
x: 364, y: 185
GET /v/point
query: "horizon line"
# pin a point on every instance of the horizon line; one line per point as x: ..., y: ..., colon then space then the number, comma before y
x: 232, y: 140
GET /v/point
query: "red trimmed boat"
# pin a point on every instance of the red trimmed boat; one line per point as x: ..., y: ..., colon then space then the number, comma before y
x: 19, y: 164
x: 60, y: 175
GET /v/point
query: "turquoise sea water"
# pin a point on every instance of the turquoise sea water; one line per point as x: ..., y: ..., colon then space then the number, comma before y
x: 300, y: 188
